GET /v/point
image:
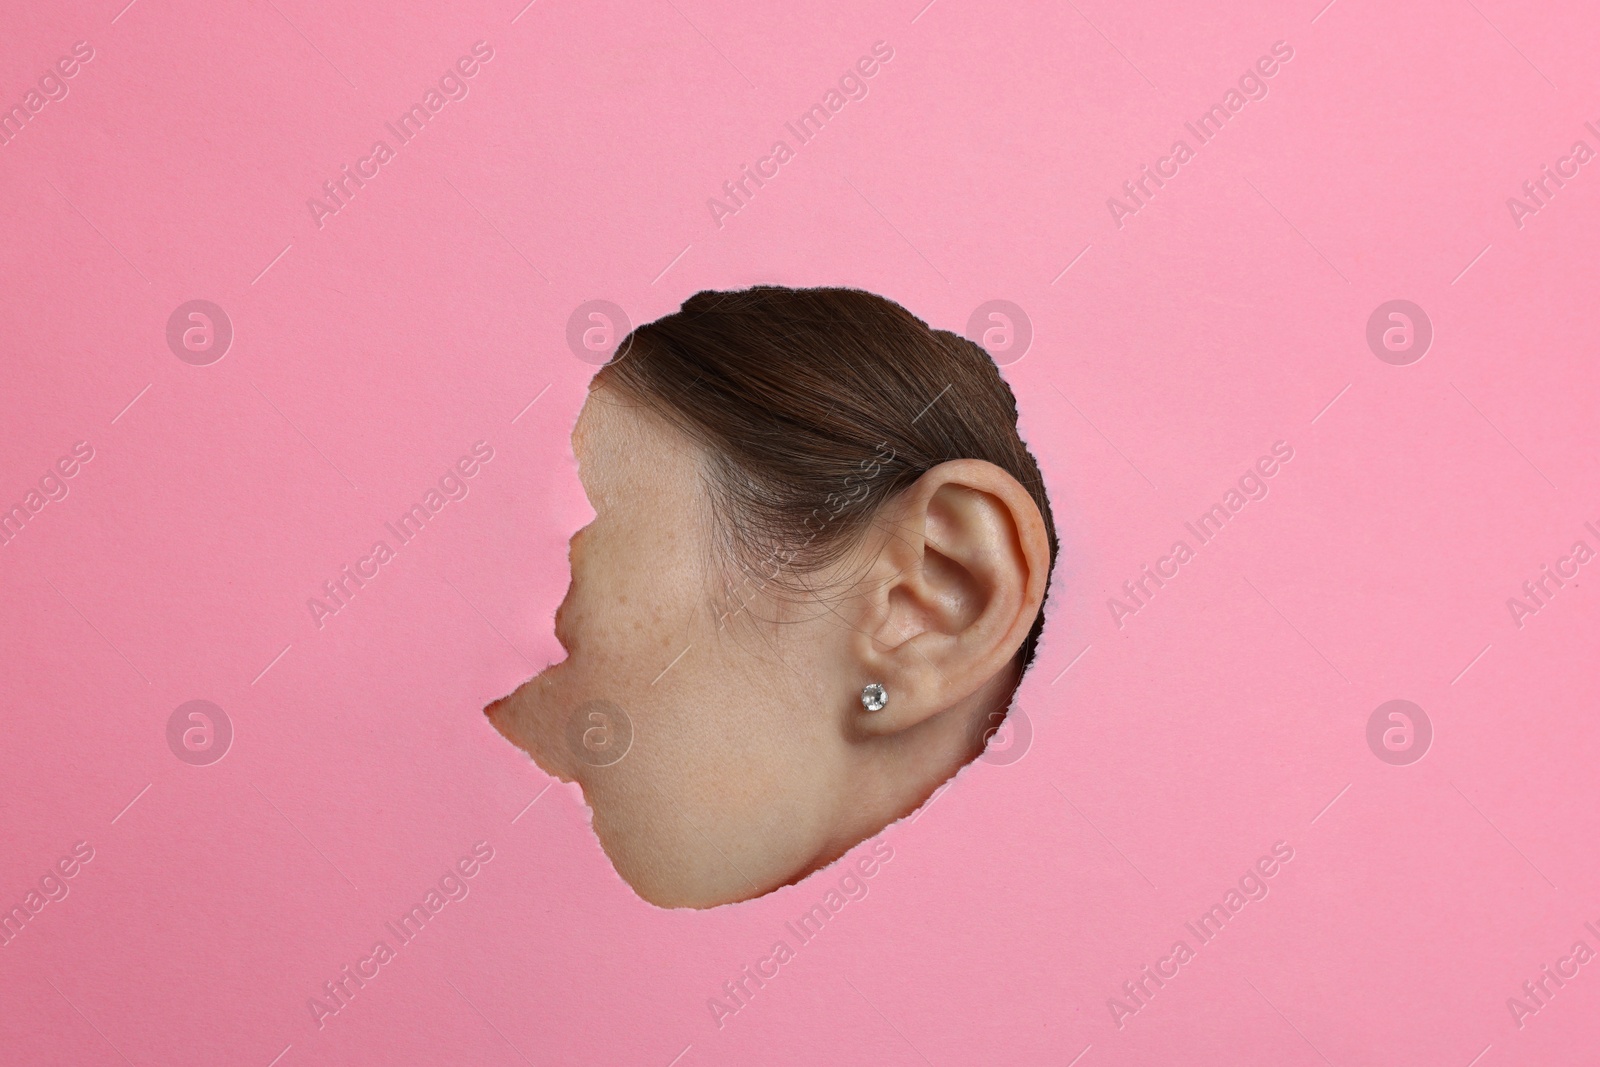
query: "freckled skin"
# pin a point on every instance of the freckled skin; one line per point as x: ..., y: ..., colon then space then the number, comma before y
x: 749, y: 766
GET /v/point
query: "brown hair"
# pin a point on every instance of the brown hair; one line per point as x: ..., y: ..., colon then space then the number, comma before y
x: 815, y: 407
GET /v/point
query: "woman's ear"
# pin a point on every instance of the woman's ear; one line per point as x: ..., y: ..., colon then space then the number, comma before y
x: 956, y: 579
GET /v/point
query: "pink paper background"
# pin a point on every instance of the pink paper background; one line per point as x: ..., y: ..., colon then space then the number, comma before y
x: 1165, y: 756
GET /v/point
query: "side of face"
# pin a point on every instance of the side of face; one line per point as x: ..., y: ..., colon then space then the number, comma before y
x: 752, y: 761
x: 729, y: 786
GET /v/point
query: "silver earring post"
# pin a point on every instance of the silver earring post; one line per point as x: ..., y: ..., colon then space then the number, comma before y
x: 874, y: 697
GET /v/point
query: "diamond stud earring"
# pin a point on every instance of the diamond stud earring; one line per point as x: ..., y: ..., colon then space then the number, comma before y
x: 874, y: 697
